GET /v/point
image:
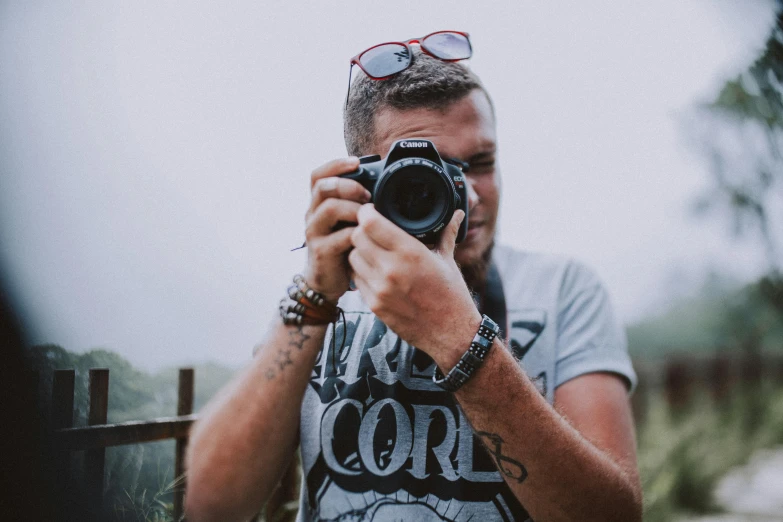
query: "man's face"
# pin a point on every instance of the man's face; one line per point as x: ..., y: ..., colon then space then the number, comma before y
x: 464, y: 130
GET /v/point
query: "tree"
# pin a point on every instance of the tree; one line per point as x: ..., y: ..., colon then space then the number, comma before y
x: 744, y: 143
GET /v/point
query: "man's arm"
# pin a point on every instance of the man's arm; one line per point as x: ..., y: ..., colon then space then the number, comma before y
x: 244, y: 438
x: 559, y: 470
x: 246, y: 435
x: 576, y: 463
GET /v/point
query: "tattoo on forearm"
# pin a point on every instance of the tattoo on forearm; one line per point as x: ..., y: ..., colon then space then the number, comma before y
x: 508, y: 466
x: 296, y: 339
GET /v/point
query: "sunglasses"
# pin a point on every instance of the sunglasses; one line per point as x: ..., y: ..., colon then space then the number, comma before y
x: 383, y: 61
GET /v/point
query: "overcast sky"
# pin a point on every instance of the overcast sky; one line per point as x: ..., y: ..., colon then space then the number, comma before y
x: 155, y: 155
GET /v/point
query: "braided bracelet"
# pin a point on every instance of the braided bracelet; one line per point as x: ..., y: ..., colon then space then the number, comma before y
x: 305, y: 306
x: 316, y: 298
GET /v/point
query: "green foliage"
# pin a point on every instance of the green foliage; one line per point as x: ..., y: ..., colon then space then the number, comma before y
x: 719, y: 319
x: 139, y: 477
x: 744, y: 145
x: 756, y: 94
x: 681, y: 459
x: 134, y: 503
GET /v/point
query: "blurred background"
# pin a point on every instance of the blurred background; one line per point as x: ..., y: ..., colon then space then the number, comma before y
x: 154, y: 164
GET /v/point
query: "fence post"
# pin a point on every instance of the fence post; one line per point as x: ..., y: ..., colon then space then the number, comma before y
x: 62, y: 417
x: 777, y: 372
x: 184, y: 407
x: 62, y: 398
x: 752, y: 380
x: 752, y: 371
x: 720, y: 379
x: 94, y: 459
x: 677, y: 385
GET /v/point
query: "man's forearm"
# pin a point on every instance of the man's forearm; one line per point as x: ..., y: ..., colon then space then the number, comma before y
x: 553, y: 470
x: 245, y: 436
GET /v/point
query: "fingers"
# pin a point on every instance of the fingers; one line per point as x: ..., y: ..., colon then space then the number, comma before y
x: 339, y: 188
x: 360, y: 264
x: 448, y: 238
x: 361, y: 284
x: 380, y: 230
x: 373, y: 255
x: 324, y: 218
x: 334, y: 168
x: 332, y: 246
x: 325, y: 184
x: 334, y: 200
x: 363, y: 242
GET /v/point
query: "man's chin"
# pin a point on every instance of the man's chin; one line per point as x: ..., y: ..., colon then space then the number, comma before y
x: 473, y: 250
x: 473, y: 260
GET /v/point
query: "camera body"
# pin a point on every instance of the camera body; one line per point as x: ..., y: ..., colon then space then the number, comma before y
x: 415, y: 189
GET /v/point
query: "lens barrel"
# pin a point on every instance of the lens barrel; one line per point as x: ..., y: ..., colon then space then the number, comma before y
x: 416, y: 195
x: 414, y: 188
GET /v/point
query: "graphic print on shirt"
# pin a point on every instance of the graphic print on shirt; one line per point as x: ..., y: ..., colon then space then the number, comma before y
x: 526, y: 327
x: 393, y: 445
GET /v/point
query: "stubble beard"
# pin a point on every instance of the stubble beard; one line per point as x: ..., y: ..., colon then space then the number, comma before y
x: 475, y: 273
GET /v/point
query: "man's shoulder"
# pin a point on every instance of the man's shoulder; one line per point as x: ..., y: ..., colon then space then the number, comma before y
x: 509, y: 256
x: 543, y: 268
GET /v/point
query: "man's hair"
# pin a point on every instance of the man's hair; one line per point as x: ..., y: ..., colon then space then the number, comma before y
x: 428, y: 83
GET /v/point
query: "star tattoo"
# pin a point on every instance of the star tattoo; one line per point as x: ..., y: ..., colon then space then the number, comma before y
x: 297, y: 337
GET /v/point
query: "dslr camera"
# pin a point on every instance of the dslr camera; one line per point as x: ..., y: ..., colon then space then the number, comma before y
x: 415, y: 189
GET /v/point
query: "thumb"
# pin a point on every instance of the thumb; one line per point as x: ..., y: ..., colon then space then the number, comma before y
x: 448, y: 238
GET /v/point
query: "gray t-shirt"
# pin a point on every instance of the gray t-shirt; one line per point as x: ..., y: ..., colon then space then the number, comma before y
x: 380, y: 441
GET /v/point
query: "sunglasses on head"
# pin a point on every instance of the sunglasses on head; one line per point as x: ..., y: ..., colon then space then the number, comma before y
x: 384, y: 60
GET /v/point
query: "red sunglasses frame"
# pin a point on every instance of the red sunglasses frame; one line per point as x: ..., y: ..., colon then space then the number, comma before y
x: 407, y: 44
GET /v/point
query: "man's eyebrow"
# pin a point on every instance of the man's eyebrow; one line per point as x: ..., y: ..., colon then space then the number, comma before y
x: 481, y: 156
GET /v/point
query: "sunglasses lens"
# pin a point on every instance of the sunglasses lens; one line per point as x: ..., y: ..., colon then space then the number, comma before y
x: 385, y: 60
x: 448, y: 46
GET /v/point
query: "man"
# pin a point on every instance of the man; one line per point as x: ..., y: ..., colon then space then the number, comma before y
x: 541, y: 430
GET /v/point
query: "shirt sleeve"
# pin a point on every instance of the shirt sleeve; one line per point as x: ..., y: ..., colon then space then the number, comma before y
x: 590, y: 339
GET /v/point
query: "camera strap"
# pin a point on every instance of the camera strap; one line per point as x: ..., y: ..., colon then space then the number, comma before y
x: 493, y: 302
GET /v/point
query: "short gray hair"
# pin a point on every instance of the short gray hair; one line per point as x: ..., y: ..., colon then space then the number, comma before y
x: 428, y: 83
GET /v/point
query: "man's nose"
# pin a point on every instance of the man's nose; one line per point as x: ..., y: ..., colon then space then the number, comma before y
x: 473, y: 197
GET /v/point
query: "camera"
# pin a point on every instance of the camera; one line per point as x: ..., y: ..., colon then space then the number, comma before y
x: 415, y: 189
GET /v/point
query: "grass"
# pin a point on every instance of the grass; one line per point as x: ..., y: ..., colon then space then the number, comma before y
x: 140, y: 504
x: 682, y: 457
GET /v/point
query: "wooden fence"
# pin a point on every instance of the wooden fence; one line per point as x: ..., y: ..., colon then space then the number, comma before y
x: 677, y: 379
x: 720, y: 377
x: 94, y: 438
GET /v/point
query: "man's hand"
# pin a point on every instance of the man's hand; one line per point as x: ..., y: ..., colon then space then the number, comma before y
x: 420, y: 294
x: 333, y: 200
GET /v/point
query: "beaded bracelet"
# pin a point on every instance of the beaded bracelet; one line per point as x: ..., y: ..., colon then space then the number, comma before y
x: 471, y: 360
x: 306, y: 306
x: 316, y: 298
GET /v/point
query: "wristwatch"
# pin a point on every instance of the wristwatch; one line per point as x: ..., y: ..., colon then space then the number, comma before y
x: 472, y: 360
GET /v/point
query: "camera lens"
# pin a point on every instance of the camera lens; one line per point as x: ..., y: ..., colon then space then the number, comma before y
x: 416, y: 198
